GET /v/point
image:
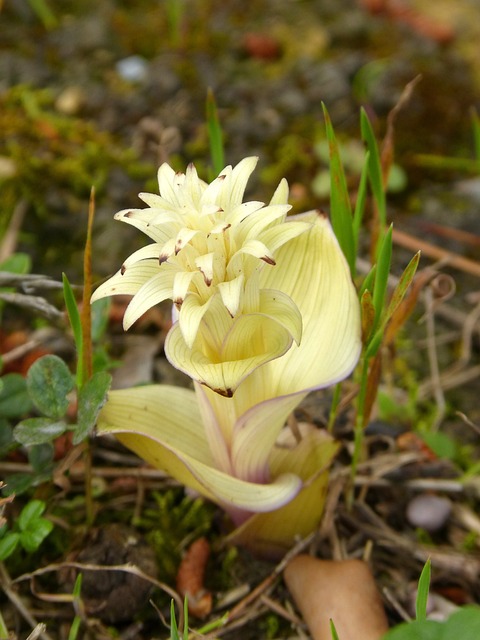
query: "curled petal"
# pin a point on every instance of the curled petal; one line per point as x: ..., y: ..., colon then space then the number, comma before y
x: 277, y: 236
x: 259, y: 221
x: 281, y: 193
x: 150, y: 252
x: 231, y: 293
x: 252, y: 341
x: 144, y: 219
x: 272, y: 534
x: 190, y: 317
x: 162, y: 424
x: 127, y: 282
x: 156, y: 290
x: 236, y: 182
x: 282, y: 309
x: 181, y: 284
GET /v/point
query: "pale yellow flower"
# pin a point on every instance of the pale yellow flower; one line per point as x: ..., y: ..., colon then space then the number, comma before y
x: 267, y: 312
x: 208, y: 254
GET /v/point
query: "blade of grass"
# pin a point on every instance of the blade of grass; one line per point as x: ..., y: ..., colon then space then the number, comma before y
x: 76, y: 324
x: 381, y: 276
x: 215, y: 134
x: 476, y: 134
x: 333, y: 631
x: 86, y: 315
x: 340, y: 208
x: 375, y: 167
x: 377, y: 185
x: 422, y: 593
x: 173, y: 623
x: 360, y: 202
x: 77, y: 603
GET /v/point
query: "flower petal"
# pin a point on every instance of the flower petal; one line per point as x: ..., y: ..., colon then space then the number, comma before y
x: 252, y: 341
x: 231, y: 293
x: 128, y: 282
x: 155, y: 290
x: 272, y: 534
x: 313, y: 272
x: 162, y: 424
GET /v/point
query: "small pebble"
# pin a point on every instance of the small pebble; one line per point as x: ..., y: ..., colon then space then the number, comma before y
x: 428, y: 512
x: 132, y: 69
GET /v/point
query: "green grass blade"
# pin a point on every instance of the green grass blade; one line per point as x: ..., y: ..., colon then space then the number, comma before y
x: 44, y: 13
x: 77, y: 590
x: 368, y: 281
x: 374, y: 167
x: 381, y: 275
x: 173, y: 623
x: 340, y: 208
x: 215, y: 135
x: 185, y: 619
x: 76, y: 324
x: 476, y: 134
x: 360, y: 202
x: 333, y: 631
x: 422, y: 594
x: 403, y: 285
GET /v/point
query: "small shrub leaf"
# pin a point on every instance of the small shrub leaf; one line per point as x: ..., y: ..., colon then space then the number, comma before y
x: 14, y: 398
x: 8, y: 544
x: 30, y: 512
x: 34, y: 431
x: 91, y: 399
x: 49, y: 381
x: 33, y: 537
x: 422, y: 594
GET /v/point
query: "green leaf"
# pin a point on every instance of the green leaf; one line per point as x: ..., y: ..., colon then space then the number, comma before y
x: 374, y: 167
x: 333, y: 631
x: 476, y: 134
x: 422, y: 593
x: 40, y: 457
x: 17, y: 263
x: 32, y: 538
x: 38, y: 431
x: 464, y: 624
x: 30, y: 512
x: 76, y: 324
x: 368, y: 281
x: 381, y: 275
x: 8, y: 544
x: 402, y: 286
x: 215, y: 135
x: 18, y: 483
x: 7, y: 443
x: 173, y: 623
x: 100, y: 314
x: 49, y: 381
x: 360, y: 202
x: 421, y: 630
x: 14, y: 398
x: 340, y: 208
x: 91, y: 398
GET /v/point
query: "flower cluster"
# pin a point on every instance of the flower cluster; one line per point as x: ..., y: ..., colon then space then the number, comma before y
x: 264, y: 312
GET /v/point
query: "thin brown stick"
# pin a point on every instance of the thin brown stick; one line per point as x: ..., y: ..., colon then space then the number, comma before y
x: 265, y: 584
x: 17, y: 602
x: 415, y: 244
x: 127, y: 568
x: 9, y: 242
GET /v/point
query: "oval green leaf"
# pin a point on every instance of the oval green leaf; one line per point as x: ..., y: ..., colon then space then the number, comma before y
x: 49, y: 381
x: 38, y: 431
